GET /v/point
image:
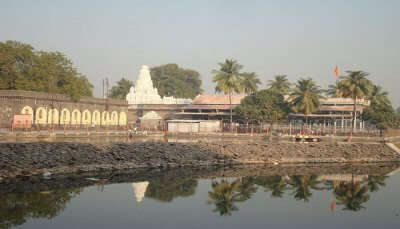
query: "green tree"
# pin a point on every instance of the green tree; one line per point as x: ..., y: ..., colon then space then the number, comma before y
x: 23, y: 68
x: 335, y: 90
x: 352, y: 195
x: 171, y: 80
x: 355, y: 86
x: 225, y: 194
x: 302, y: 186
x: 165, y: 190
x: 16, y: 208
x: 228, y: 79
x: 275, y: 184
x: 380, y: 112
x: 280, y: 84
x: 120, y: 90
x: 249, y: 82
x: 264, y: 105
x: 305, y: 97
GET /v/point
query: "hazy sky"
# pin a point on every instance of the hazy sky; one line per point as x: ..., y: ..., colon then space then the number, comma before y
x: 299, y: 38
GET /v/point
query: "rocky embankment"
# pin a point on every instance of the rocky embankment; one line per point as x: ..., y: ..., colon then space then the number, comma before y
x: 27, y: 159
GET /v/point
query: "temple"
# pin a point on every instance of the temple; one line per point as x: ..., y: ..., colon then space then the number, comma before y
x: 145, y: 93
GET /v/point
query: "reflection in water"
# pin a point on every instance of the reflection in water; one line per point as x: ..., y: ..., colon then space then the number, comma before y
x: 139, y: 189
x: 167, y: 190
x: 349, y: 191
x: 16, y: 208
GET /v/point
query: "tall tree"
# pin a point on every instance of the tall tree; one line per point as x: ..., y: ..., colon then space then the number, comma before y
x: 228, y: 79
x: 380, y: 112
x: 249, y: 82
x: 280, y: 84
x: 335, y: 90
x: 355, y: 86
x: 23, y: 68
x: 171, y: 80
x: 264, y: 105
x: 352, y: 195
x: 120, y: 90
x: 305, y: 97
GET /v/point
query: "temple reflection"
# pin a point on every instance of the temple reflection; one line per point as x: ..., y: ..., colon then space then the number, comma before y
x: 139, y: 190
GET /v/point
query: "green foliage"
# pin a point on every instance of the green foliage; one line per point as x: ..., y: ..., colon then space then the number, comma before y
x: 380, y: 112
x: 336, y: 90
x: 167, y: 190
x: 16, y: 208
x: 23, y: 68
x: 249, y: 82
x: 355, y: 85
x: 305, y: 97
x: 264, y: 105
x: 352, y: 195
x: 228, y: 77
x: 120, y: 90
x: 171, y: 80
x: 280, y: 84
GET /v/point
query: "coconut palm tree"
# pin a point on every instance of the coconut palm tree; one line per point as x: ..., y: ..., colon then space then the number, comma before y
x: 355, y: 86
x: 228, y: 79
x: 305, y: 97
x: 351, y: 195
x: 302, y: 186
x: 280, y: 84
x: 378, y: 96
x: 335, y: 90
x: 224, y: 194
x: 249, y: 82
x: 276, y: 184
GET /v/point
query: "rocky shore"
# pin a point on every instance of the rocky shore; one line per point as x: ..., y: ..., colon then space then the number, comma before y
x: 29, y: 159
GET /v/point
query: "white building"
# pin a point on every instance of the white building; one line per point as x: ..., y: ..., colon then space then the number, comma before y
x: 145, y: 93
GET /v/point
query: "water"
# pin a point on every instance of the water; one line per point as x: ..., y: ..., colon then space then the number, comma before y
x: 187, y: 199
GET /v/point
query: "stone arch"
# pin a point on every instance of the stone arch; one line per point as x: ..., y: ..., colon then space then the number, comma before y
x: 41, y: 116
x: 105, y: 118
x: 122, y: 119
x: 65, y: 116
x: 27, y: 110
x: 52, y: 116
x: 76, y: 117
x: 96, y: 120
x: 114, y: 118
x: 86, y: 117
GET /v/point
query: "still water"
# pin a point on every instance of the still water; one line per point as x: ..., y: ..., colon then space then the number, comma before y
x: 337, y: 200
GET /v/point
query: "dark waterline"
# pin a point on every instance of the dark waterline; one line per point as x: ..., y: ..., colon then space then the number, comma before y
x: 334, y: 200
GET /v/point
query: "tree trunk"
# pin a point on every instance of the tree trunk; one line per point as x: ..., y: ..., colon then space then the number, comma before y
x: 354, y: 118
x: 230, y: 104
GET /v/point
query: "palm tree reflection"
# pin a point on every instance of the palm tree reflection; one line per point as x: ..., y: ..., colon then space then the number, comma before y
x: 225, y: 194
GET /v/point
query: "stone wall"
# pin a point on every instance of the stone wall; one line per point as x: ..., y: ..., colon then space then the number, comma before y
x: 61, y: 110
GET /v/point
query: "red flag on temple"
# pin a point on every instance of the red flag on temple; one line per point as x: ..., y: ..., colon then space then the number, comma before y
x: 336, y: 71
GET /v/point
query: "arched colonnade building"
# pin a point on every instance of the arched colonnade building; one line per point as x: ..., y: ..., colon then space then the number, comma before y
x: 57, y: 109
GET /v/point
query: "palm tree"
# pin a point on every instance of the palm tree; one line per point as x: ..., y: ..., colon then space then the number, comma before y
x: 276, y: 184
x: 280, y: 84
x: 351, y: 195
x: 378, y: 96
x: 249, y: 82
x: 302, y: 186
x: 335, y: 90
x: 305, y: 97
x: 228, y: 79
x: 355, y: 86
x: 224, y: 194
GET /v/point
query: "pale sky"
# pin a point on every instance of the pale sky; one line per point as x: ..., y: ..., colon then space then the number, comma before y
x: 298, y: 38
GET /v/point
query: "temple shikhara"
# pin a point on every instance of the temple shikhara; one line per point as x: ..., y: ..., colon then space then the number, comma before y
x: 145, y: 93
